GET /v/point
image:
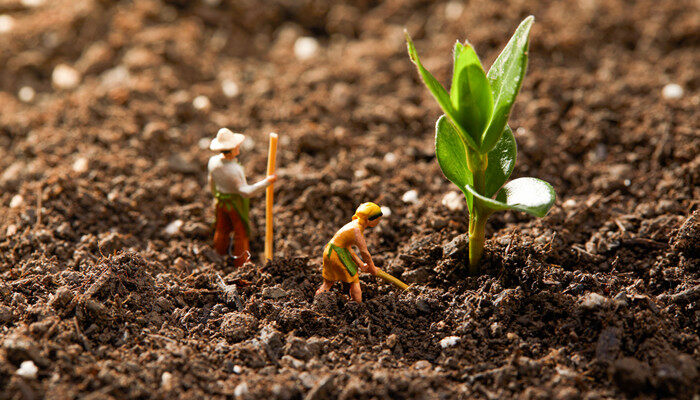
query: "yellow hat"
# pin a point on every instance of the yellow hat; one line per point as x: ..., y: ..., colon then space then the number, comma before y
x: 369, y: 211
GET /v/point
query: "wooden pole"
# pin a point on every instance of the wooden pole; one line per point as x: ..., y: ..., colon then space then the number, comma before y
x: 269, y: 196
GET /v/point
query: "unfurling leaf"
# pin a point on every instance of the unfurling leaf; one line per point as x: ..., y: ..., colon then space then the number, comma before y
x: 530, y: 195
x: 438, y: 91
x: 470, y: 93
x: 505, y: 78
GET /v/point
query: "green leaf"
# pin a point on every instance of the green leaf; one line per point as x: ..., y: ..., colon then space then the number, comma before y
x: 451, y: 154
x: 501, y: 162
x: 506, y: 77
x: 438, y: 91
x: 470, y: 92
x: 530, y: 195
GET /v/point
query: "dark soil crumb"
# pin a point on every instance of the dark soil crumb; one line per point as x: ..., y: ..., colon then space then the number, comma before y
x: 597, y: 300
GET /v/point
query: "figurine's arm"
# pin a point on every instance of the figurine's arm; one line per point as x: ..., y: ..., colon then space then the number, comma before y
x: 368, y: 266
x: 247, y: 190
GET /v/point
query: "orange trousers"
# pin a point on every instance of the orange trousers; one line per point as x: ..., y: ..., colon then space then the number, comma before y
x: 227, y: 222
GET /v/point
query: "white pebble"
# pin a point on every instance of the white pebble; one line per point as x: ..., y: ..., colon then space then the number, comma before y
x: 6, y: 23
x: 173, y: 228
x: 201, y: 103
x: 390, y: 158
x: 17, y: 201
x: 594, y: 300
x: 240, y: 390
x: 115, y: 77
x: 26, y: 94
x: 248, y: 144
x: 166, y: 381
x: 453, y: 201
x: 386, y: 211
x: 27, y: 369
x: 449, y: 341
x: 80, y: 165
x: 453, y: 10
x: 32, y: 3
x: 305, y: 48
x: 237, y: 369
x: 65, y: 77
x: 672, y: 91
x: 410, y: 197
x: 204, y: 143
x: 230, y: 88
x: 11, y: 230
x: 569, y: 204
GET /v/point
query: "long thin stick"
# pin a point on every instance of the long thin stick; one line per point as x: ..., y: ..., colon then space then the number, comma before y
x: 269, y: 196
x: 391, y: 279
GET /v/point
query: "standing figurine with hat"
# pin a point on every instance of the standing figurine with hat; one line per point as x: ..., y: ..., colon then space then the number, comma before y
x: 232, y: 193
x: 341, y: 263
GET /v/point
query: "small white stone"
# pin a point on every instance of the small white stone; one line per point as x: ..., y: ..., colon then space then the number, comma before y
x: 240, y: 390
x: 11, y: 230
x: 27, y: 370
x: 453, y: 201
x: 80, y: 165
x: 672, y: 91
x: 65, y: 77
x: 449, y: 341
x: 305, y: 47
x: 594, y: 300
x: 204, y: 143
x: 201, y: 102
x: 230, y: 88
x: 360, y: 173
x: 7, y: 23
x: 26, y: 94
x: 115, y: 77
x: 569, y: 204
x: 390, y: 158
x: 166, y: 381
x: 248, y: 144
x: 386, y: 211
x: 32, y: 3
x: 237, y: 369
x: 410, y: 197
x: 17, y: 201
x: 453, y: 10
x: 173, y: 228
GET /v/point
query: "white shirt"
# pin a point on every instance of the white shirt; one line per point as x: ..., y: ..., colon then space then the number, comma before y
x: 228, y: 177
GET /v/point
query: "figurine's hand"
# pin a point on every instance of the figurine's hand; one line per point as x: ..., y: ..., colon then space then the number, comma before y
x: 271, y: 179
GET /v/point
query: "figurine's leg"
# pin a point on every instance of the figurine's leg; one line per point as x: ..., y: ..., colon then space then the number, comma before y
x: 222, y: 231
x: 356, y: 292
x: 326, y: 286
x: 241, y: 243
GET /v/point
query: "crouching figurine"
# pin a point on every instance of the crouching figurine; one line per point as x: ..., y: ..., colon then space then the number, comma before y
x: 340, y: 263
x: 232, y: 194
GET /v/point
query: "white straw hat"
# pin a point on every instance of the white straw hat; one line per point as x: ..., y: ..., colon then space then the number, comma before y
x: 226, y: 140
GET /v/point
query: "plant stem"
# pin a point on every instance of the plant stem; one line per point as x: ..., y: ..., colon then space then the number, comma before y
x: 477, y: 219
x: 477, y: 229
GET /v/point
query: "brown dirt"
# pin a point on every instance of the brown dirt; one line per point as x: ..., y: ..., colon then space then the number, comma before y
x: 597, y: 300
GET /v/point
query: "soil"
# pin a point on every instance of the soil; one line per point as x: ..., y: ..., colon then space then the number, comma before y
x: 597, y: 300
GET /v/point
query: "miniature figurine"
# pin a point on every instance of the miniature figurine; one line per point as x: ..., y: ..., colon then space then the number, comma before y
x: 232, y: 193
x: 340, y: 263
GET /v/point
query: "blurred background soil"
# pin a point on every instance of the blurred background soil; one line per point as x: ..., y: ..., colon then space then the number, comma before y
x: 109, y: 287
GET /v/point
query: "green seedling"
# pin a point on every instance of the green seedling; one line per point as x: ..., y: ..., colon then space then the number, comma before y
x: 474, y: 145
